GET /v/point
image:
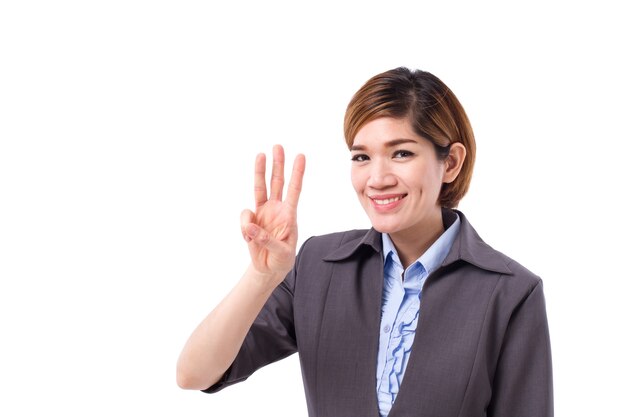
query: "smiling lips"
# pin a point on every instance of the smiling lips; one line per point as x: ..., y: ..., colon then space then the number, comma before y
x: 386, y: 202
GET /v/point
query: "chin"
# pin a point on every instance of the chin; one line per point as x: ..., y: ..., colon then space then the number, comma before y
x: 383, y: 227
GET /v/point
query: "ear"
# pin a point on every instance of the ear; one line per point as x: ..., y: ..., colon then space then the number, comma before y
x: 454, y: 162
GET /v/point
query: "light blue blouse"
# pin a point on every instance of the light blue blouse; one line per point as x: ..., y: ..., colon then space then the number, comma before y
x: 400, y: 311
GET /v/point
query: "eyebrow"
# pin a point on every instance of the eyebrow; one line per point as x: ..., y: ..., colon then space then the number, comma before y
x: 390, y: 144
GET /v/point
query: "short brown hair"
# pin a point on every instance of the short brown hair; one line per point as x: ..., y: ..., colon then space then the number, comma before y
x: 433, y: 110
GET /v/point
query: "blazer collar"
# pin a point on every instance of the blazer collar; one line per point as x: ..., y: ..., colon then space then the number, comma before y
x: 467, y: 246
x: 372, y: 238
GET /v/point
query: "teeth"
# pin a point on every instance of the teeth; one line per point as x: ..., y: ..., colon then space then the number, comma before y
x: 386, y: 200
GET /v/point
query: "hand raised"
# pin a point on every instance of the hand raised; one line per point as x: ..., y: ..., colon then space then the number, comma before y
x: 271, y: 230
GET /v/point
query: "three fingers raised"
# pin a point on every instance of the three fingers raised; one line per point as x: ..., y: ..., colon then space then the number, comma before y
x: 277, y: 181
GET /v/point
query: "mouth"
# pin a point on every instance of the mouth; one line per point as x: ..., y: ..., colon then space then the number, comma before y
x: 386, y: 200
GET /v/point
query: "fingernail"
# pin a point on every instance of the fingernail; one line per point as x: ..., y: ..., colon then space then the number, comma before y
x: 252, y: 231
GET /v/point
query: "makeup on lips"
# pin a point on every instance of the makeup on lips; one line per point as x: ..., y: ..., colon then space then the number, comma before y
x: 386, y: 202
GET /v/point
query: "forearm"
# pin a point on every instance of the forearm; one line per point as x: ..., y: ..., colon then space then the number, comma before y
x: 271, y: 233
x: 214, y: 344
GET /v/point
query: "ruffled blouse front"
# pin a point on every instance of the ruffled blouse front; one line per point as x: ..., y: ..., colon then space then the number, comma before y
x: 402, y: 291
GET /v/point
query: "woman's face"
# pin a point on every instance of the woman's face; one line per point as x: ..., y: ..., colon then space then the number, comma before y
x: 397, y: 177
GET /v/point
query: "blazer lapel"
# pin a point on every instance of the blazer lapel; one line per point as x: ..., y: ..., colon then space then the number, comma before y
x: 350, y: 328
x: 455, y: 299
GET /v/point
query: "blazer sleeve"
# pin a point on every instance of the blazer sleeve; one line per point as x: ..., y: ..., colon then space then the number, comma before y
x: 271, y: 337
x: 522, y: 384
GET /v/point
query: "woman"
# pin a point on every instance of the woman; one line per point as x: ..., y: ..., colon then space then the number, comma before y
x: 414, y: 317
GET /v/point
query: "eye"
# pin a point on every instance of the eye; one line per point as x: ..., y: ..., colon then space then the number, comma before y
x: 402, y: 154
x: 360, y: 157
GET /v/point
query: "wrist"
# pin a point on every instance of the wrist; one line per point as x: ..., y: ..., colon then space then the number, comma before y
x: 262, y: 283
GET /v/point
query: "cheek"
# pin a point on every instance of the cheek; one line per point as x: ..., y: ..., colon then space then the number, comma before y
x: 424, y: 180
x: 434, y: 181
x: 357, y: 179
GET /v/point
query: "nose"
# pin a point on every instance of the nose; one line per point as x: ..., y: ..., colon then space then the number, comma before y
x: 380, y: 176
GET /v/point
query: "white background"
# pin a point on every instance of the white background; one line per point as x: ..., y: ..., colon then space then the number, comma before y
x: 128, y: 131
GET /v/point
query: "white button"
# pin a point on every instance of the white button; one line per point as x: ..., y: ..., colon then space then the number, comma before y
x: 386, y: 328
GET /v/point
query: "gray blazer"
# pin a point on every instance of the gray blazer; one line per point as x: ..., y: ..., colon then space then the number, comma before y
x: 481, y: 346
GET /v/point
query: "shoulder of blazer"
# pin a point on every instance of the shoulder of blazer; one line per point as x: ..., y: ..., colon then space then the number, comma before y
x: 340, y: 245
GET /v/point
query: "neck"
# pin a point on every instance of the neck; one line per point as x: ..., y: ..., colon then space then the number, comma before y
x: 411, y: 244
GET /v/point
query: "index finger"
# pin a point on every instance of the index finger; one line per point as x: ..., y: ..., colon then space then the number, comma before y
x: 295, y: 182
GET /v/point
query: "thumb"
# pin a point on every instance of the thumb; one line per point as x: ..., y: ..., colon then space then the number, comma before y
x: 257, y: 234
x: 262, y: 238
